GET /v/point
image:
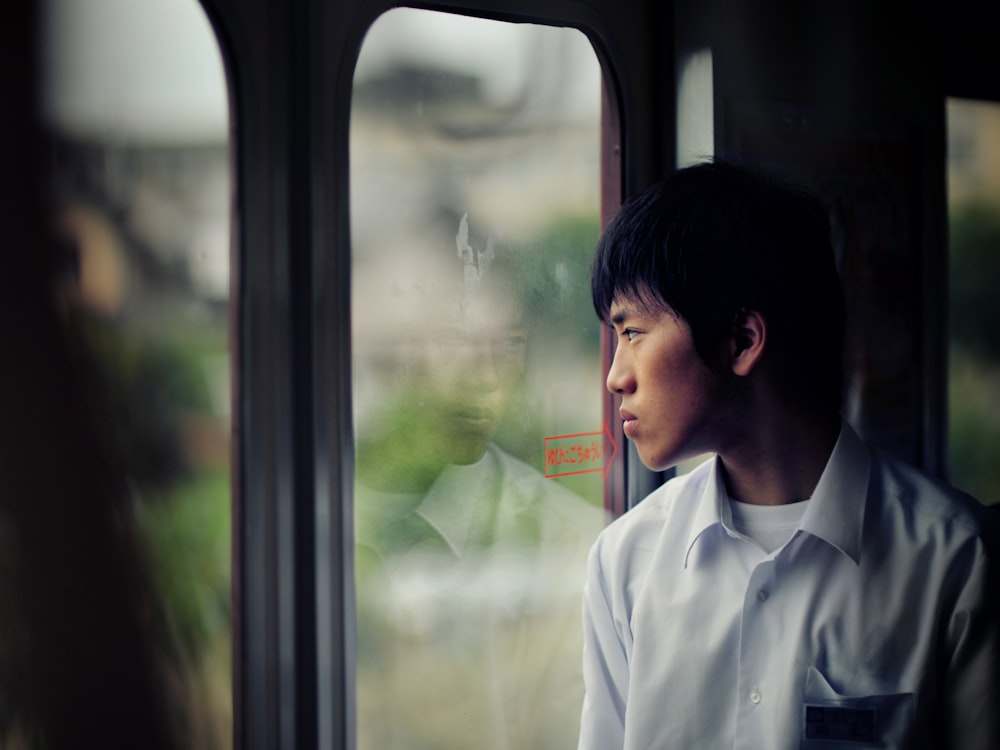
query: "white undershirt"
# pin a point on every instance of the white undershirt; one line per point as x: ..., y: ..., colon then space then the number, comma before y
x: 768, y: 525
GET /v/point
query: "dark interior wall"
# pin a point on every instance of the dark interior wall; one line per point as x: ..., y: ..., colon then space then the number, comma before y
x: 878, y: 54
x: 846, y: 99
x: 966, y: 44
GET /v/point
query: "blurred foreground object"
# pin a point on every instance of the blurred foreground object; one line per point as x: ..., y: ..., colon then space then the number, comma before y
x: 75, y: 662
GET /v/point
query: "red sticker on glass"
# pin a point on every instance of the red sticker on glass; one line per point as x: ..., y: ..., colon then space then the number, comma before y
x: 581, y: 453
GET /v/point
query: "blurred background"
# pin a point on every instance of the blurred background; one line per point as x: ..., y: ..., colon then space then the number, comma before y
x: 974, y: 316
x: 137, y: 199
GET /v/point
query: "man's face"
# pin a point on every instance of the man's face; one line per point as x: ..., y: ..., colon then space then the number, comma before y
x: 438, y: 363
x: 458, y: 375
x: 671, y: 401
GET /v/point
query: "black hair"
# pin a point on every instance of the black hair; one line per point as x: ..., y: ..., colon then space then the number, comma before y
x: 714, y: 240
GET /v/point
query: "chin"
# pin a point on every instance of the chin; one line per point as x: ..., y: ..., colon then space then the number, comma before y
x: 662, y: 461
x: 655, y: 463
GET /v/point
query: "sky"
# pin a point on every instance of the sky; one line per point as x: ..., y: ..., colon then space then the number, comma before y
x: 151, y: 70
x: 136, y: 69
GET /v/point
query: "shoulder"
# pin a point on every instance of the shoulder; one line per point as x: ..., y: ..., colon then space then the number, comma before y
x: 526, y: 486
x: 931, y: 508
x: 665, y: 512
x: 923, y: 495
x: 527, y: 493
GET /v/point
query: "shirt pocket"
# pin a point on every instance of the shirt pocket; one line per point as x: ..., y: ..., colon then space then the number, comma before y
x: 832, y: 721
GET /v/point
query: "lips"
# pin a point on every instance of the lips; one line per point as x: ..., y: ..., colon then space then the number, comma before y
x: 473, y: 418
x: 630, y: 423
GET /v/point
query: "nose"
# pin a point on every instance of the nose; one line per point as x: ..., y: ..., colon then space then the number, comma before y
x: 476, y: 368
x: 620, y: 378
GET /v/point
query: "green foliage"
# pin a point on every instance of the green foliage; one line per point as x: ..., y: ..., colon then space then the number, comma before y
x: 974, y: 376
x: 974, y: 279
x: 974, y: 427
x: 188, y: 543
x: 147, y: 384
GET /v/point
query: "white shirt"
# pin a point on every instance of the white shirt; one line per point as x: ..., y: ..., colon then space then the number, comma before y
x: 869, y: 624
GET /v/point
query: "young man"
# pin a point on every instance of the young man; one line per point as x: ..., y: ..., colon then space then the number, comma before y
x: 796, y: 590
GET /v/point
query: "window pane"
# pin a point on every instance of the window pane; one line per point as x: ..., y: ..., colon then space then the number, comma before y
x: 135, y: 101
x: 974, y: 246
x: 475, y: 209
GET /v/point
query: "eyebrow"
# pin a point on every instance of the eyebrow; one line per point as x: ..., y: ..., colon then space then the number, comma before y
x: 624, y: 312
x: 634, y: 309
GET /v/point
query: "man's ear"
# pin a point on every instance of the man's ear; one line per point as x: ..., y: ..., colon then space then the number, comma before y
x: 747, y: 341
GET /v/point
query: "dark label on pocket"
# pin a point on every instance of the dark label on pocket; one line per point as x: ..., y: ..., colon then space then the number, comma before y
x: 840, y: 723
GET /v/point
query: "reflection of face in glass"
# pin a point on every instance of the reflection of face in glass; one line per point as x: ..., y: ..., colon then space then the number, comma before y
x: 439, y: 351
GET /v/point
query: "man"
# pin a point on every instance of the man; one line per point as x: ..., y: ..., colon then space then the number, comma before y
x: 796, y: 589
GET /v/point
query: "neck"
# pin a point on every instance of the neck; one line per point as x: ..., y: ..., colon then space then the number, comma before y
x: 779, y: 457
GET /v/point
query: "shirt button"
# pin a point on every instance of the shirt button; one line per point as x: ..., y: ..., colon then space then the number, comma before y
x: 762, y: 595
x: 755, y: 697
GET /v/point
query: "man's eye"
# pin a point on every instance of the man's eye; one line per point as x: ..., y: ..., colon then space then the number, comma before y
x: 630, y: 333
x: 511, y: 343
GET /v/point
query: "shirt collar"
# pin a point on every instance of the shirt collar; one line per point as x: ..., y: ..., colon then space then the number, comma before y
x: 461, y: 503
x: 713, y: 506
x: 836, y: 512
x: 459, y: 506
x: 836, y: 509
